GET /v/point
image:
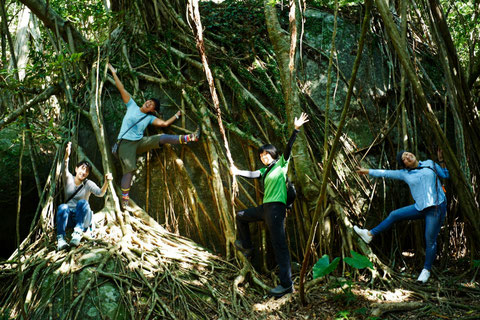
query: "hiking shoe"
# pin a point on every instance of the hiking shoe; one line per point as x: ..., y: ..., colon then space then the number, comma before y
x: 364, y: 234
x: 280, y: 291
x: 61, y: 243
x: 76, y: 237
x: 247, y: 252
x: 124, y: 204
x: 424, y: 275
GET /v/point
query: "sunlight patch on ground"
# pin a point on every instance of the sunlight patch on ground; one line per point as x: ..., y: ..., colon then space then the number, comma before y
x: 273, y: 304
x: 398, y: 295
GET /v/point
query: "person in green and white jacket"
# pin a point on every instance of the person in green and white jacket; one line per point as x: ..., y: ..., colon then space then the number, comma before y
x: 273, y: 209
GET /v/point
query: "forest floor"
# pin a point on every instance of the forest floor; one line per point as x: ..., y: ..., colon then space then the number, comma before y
x: 450, y: 295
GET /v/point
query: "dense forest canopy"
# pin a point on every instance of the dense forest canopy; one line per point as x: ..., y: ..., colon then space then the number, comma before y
x: 375, y: 77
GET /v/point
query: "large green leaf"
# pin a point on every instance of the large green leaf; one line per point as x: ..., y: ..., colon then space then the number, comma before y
x: 358, y: 261
x: 324, y: 267
x: 476, y: 263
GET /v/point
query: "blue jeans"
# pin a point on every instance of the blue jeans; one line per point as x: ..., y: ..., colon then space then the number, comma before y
x: 78, y: 218
x: 273, y: 214
x: 434, y: 217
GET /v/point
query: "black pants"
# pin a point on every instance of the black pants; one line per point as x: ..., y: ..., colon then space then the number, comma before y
x: 273, y: 214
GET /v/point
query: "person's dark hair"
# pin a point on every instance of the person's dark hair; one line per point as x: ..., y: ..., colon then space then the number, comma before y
x: 157, y: 104
x: 270, y: 149
x: 399, y: 158
x: 86, y: 163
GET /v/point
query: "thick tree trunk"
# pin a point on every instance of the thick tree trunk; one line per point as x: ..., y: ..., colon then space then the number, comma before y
x: 303, y: 163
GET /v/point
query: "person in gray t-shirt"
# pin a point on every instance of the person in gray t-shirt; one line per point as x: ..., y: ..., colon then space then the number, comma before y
x: 76, y: 212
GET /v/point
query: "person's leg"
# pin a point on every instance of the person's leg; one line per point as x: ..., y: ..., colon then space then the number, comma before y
x: 405, y: 213
x: 275, y: 220
x: 179, y: 139
x: 63, y: 213
x: 243, y: 218
x: 127, y: 153
x: 64, y: 217
x: 83, y: 216
x: 434, y: 218
x: 156, y: 141
x: 125, y: 186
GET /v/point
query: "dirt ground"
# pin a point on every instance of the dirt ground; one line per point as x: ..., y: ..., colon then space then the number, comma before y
x: 445, y: 296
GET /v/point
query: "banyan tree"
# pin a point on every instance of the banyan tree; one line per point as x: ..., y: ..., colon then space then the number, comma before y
x: 374, y: 77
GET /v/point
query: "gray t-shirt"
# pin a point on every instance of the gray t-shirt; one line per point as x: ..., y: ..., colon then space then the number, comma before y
x: 69, y: 188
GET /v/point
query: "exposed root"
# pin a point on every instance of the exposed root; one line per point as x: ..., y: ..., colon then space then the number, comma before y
x: 150, y: 273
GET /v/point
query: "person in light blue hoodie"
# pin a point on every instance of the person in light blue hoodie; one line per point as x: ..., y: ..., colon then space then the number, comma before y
x: 423, y: 179
x: 131, y: 136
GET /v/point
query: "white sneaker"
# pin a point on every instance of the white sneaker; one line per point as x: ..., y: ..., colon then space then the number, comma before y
x: 76, y: 237
x: 363, y: 233
x: 61, y: 243
x: 424, y: 275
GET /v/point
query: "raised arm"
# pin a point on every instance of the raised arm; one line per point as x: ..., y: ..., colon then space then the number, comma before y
x: 119, y: 84
x: 380, y: 173
x: 245, y: 173
x: 440, y: 167
x: 165, y: 123
x: 66, y: 159
x: 298, y: 123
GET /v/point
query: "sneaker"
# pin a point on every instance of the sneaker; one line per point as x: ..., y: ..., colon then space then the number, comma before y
x: 364, y: 234
x: 124, y: 204
x: 247, y: 252
x: 280, y: 291
x: 76, y: 237
x: 424, y: 275
x: 61, y: 243
x: 196, y: 135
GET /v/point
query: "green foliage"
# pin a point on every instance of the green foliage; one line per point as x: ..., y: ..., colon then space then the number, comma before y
x: 5, y: 315
x: 324, y: 267
x: 342, y: 315
x: 347, y: 296
x: 358, y: 261
x: 476, y: 263
x: 89, y: 17
x: 331, y: 3
x: 462, y: 20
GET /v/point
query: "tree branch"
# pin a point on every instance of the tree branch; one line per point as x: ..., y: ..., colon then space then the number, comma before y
x: 50, y: 18
x: 47, y: 93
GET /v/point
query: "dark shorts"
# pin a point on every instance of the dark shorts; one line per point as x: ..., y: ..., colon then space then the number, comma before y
x: 128, y: 151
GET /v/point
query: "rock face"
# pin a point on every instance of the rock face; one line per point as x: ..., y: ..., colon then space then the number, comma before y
x: 62, y: 286
x: 373, y: 78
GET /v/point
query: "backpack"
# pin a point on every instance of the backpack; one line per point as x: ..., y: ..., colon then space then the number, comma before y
x: 291, y: 191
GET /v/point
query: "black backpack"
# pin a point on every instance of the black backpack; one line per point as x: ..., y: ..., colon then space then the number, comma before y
x: 291, y: 191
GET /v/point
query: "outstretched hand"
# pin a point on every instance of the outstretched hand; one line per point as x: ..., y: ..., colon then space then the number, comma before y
x: 361, y: 170
x: 301, y: 120
x: 440, y: 155
x: 108, y: 177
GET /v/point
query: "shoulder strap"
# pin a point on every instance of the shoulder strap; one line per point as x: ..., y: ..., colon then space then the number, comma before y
x: 76, y: 191
x: 132, y: 126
